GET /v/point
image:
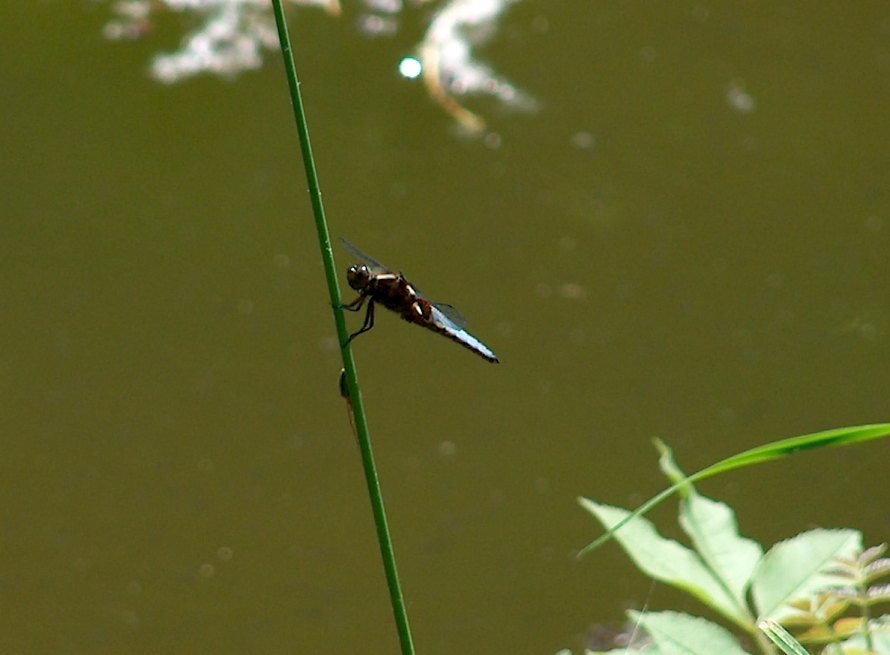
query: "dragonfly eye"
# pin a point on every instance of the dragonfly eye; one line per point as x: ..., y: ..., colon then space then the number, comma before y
x: 358, y: 277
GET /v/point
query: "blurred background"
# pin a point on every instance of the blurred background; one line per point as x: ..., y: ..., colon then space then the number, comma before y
x: 674, y: 222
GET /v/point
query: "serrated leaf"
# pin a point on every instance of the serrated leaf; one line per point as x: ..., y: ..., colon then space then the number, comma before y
x: 879, y: 594
x: 714, y: 532
x: 876, y: 570
x: 681, y: 634
x: 880, y: 638
x: 818, y: 634
x: 869, y: 555
x: 801, y: 604
x: 843, y: 571
x: 834, y: 608
x: 848, y: 626
x: 669, y: 467
x: 775, y: 450
x: 667, y: 560
x: 800, y: 620
x: 850, y: 594
x: 792, y: 569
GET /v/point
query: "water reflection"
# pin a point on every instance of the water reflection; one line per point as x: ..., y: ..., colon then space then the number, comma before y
x: 450, y: 69
x: 232, y: 36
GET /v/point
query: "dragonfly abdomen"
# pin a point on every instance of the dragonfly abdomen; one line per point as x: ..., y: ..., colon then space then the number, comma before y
x: 465, y: 339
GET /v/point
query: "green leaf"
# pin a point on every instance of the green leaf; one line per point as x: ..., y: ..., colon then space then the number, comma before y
x: 650, y: 649
x: 849, y: 626
x: 731, y: 558
x: 669, y: 561
x: 879, y: 630
x: 714, y: 532
x: 794, y: 568
x: 681, y: 634
x: 768, y: 452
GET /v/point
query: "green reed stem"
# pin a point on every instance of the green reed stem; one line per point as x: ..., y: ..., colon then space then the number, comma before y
x: 355, y: 396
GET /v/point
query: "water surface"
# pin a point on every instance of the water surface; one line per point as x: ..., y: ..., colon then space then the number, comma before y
x: 688, y: 238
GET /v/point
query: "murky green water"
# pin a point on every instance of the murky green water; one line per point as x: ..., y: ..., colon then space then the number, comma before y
x: 688, y: 239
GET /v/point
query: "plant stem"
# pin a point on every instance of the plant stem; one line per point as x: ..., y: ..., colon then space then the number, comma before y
x: 361, y: 425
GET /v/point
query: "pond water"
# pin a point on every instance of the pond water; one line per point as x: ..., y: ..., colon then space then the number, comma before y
x: 681, y: 231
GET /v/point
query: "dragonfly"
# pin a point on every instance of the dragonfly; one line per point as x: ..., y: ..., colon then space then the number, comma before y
x: 377, y: 283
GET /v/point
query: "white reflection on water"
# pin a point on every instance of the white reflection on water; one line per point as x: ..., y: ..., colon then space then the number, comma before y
x: 232, y: 36
x: 410, y: 67
x: 449, y: 67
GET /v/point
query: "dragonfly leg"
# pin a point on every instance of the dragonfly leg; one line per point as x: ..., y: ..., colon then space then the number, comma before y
x: 355, y: 305
x: 368, y: 324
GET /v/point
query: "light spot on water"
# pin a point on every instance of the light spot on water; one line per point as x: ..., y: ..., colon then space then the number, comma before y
x: 648, y: 54
x: 492, y: 140
x: 739, y: 99
x: 701, y: 13
x: 373, y: 25
x: 568, y: 243
x: 385, y: 6
x: 775, y: 280
x: 410, y: 67
x: 572, y: 291
x: 583, y: 140
x: 874, y: 223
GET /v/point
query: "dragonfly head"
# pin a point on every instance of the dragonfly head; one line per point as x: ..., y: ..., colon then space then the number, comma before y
x: 358, y: 276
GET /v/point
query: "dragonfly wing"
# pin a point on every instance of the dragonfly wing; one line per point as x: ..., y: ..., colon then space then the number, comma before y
x: 451, y: 314
x: 370, y: 262
x: 457, y: 333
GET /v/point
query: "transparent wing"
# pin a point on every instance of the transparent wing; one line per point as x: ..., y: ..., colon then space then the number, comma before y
x: 447, y: 326
x: 450, y: 315
x: 447, y: 315
x: 370, y: 262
